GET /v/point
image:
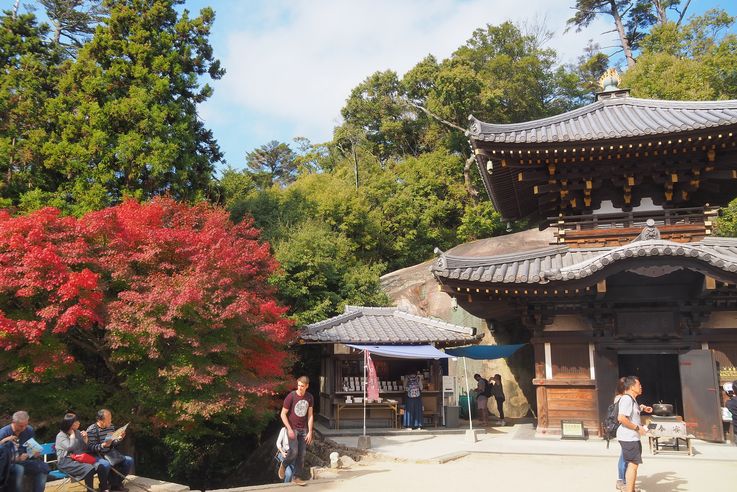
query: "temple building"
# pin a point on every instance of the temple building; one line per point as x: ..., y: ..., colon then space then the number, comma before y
x: 631, y: 279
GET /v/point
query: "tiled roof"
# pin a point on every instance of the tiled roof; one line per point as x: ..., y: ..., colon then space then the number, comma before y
x: 386, y: 326
x: 564, y: 263
x: 618, y: 117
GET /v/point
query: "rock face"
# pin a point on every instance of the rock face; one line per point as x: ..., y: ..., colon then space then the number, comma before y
x: 416, y: 290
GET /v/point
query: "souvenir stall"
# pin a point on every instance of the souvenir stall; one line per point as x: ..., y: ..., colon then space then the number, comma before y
x: 404, y: 345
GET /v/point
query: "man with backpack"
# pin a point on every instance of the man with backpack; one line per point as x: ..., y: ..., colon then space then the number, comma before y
x: 630, y: 430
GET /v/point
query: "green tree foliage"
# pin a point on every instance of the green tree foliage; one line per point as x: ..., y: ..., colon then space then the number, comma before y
x: 321, y: 274
x: 591, y: 65
x: 390, y: 186
x: 692, y: 61
x: 125, y: 120
x: 375, y: 106
x: 272, y: 163
x: 632, y: 19
x: 422, y: 204
x: 500, y: 74
x: 726, y: 223
x: 27, y: 81
x: 480, y: 221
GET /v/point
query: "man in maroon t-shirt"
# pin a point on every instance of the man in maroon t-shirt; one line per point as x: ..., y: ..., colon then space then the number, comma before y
x: 296, y: 414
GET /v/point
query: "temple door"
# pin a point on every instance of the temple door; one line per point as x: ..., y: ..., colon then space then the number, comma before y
x: 607, y: 375
x: 700, y: 390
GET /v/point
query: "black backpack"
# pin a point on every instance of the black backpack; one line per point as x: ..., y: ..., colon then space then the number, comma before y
x: 487, y: 389
x: 611, y: 421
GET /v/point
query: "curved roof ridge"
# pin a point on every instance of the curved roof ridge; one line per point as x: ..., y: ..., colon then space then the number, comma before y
x: 479, y: 128
x: 567, y: 264
x: 444, y: 260
x: 652, y: 247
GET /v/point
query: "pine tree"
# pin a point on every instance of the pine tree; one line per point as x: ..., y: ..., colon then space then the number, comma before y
x: 126, y: 114
x: 27, y: 81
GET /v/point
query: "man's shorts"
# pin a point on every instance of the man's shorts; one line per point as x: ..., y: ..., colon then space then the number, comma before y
x: 631, y: 451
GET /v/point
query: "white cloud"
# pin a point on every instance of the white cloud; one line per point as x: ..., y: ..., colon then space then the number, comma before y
x: 297, y: 60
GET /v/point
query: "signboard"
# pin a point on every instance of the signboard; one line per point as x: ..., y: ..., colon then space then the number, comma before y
x: 572, y: 429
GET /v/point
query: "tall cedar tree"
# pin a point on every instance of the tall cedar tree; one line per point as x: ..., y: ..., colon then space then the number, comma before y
x: 167, y: 305
x: 126, y: 114
x: 27, y: 81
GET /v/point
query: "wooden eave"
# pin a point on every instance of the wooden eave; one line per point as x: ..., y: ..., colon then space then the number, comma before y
x: 675, y: 170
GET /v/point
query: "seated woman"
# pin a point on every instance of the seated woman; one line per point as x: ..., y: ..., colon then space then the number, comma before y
x: 70, y: 441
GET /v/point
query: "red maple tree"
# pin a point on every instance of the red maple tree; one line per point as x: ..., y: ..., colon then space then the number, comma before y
x: 167, y: 300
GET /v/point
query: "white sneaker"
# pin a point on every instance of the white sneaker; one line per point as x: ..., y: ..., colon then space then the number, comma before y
x: 502, y: 423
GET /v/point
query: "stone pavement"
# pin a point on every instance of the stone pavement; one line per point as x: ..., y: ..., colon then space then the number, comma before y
x: 132, y: 482
x: 520, y: 439
x: 512, y: 458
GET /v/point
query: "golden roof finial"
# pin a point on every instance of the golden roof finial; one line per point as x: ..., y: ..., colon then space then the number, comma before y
x: 609, y: 81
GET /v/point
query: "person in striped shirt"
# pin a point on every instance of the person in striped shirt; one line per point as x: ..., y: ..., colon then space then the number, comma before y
x: 104, y: 447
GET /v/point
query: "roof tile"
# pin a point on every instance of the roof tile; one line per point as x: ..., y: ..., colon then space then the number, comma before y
x: 612, y: 118
x: 563, y: 263
x: 386, y: 326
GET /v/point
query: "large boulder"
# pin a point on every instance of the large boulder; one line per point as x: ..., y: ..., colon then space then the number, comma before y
x: 416, y: 290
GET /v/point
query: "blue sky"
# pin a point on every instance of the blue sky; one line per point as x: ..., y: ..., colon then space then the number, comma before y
x: 291, y: 64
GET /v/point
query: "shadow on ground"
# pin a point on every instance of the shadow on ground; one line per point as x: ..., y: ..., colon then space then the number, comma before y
x: 663, y: 482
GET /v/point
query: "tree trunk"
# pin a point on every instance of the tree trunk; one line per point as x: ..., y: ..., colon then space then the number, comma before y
x: 10, y: 164
x: 355, y: 162
x: 57, y: 31
x: 470, y: 189
x: 660, y: 12
x: 622, y: 36
x: 682, y: 13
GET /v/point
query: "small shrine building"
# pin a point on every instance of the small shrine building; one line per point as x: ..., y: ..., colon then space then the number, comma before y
x: 633, y: 280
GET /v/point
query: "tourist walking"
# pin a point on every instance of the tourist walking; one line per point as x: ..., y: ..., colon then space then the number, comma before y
x: 631, y: 430
x: 621, y: 465
x: 297, y: 416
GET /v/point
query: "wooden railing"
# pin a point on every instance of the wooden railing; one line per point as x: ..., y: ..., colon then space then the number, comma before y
x: 679, y: 224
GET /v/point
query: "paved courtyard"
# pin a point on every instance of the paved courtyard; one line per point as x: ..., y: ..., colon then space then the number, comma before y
x: 511, y: 458
x: 545, y: 473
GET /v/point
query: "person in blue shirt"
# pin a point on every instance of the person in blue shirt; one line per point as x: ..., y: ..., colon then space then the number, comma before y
x: 23, y: 464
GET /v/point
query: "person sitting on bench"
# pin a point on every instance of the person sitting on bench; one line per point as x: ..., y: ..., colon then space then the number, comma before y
x: 71, y: 448
x: 104, y: 447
